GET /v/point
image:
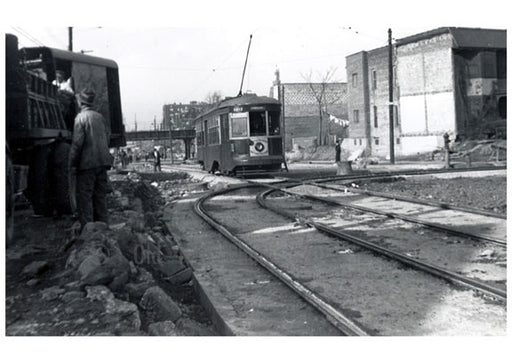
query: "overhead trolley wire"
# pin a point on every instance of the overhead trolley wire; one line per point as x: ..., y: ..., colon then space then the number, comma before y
x: 27, y: 35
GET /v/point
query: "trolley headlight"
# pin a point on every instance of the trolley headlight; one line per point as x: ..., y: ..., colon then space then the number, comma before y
x: 259, y: 147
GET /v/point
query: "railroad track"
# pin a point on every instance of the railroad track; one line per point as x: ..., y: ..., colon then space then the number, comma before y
x: 249, y: 231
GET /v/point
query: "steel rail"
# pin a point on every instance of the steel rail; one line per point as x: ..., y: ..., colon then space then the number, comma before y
x: 437, y: 226
x: 432, y: 225
x: 340, y: 321
x: 412, y: 200
x: 370, y: 175
x: 426, y: 267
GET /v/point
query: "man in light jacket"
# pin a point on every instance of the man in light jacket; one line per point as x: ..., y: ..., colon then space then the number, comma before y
x: 89, y: 160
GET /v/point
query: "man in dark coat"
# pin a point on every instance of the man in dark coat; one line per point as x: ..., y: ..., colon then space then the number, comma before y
x: 156, y: 155
x: 89, y: 159
x: 338, y: 150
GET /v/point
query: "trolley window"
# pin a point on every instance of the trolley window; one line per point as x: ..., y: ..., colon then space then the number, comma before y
x: 274, y: 126
x: 238, y: 125
x: 199, y: 135
x: 214, y: 131
x: 257, y: 124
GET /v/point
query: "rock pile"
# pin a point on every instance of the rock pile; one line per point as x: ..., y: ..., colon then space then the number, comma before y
x: 117, y: 279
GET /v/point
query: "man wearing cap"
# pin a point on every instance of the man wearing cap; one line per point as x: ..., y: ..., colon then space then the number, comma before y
x: 89, y: 159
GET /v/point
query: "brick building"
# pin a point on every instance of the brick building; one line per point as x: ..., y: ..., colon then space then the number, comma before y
x: 445, y: 80
x: 301, y: 111
x: 181, y: 116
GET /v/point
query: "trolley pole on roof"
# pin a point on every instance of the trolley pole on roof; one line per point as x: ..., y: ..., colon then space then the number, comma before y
x: 391, y: 118
x: 245, y: 65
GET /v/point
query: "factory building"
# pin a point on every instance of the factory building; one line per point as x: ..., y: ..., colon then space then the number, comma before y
x: 447, y: 80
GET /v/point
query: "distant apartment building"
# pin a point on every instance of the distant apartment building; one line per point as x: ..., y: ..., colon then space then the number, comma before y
x: 301, y: 111
x: 180, y: 116
x: 447, y: 80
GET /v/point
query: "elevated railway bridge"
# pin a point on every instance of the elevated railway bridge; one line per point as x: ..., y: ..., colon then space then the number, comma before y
x: 187, y: 135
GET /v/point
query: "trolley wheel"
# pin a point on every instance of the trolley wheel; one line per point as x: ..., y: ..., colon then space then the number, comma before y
x: 59, y: 177
x: 9, y: 200
x: 38, y: 191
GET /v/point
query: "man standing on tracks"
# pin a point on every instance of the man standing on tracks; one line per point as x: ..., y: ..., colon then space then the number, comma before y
x: 156, y: 155
x: 89, y: 159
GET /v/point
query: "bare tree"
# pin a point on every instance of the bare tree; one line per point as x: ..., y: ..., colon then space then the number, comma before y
x: 319, y: 89
x: 213, y: 97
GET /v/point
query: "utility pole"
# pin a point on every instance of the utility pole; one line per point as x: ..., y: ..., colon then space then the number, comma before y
x: 70, y: 39
x: 391, y: 106
x: 170, y: 138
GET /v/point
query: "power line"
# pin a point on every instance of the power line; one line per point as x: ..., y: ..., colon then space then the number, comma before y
x: 27, y: 35
x: 213, y: 70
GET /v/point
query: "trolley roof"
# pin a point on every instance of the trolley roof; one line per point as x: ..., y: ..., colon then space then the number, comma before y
x: 248, y: 99
x: 70, y: 56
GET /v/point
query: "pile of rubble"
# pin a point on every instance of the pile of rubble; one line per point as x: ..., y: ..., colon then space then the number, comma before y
x: 128, y: 278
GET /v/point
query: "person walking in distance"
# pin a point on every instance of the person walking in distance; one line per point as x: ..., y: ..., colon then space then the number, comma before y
x: 156, y: 155
x: 337, y: 148
x: 89, y: 160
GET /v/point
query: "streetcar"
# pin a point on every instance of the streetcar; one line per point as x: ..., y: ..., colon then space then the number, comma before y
x: 241, y: 135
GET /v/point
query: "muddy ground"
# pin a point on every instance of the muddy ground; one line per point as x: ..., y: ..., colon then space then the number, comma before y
x: 487, y: 193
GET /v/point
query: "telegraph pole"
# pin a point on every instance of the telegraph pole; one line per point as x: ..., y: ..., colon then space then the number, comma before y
x: 70, y: 39
x: 391, y: 118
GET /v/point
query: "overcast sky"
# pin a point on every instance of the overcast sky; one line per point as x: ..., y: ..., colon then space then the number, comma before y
x: 186, y: 52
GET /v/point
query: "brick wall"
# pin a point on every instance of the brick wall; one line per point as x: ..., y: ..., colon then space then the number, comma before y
x: 356, y: 65
x: 378, y: 79
x: 301, y: 110
x: 425, y: 78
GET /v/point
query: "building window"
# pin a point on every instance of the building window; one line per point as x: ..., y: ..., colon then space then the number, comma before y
x: 356, y: 116
x: 354, y: 79
x: 374, y: 79
x: 376, y: 141
x: 355, y: 141
x: 398, y: 141
x: 375, y: 118
x: 360, y: 142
